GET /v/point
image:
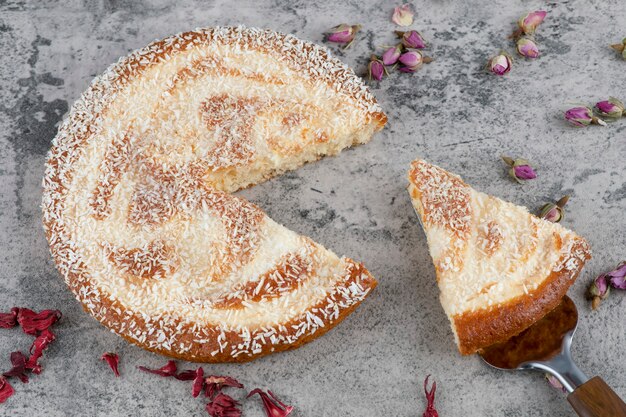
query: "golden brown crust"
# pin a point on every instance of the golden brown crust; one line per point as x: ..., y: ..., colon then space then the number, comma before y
x: 479, y: 329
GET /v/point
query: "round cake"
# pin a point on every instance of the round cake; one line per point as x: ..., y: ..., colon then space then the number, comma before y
x: 137, y: 203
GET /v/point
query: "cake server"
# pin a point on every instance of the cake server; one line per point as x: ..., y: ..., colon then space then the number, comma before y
x: 545, y: 347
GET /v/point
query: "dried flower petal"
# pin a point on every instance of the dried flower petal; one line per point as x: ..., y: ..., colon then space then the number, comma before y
x: 500, y: 64
x: 617, y: 277
x: 598, y: 290
x: 582, y: 116
x: 113, y: 360
x: 343, y: 34
x: 223, y: 406
x: 40, y: 344
x: 273, y: 406
x: 430, y: 398
x: 6, y: 390
x: 412, y: 61
x: 552, y: 380
x: 553, y: 212
x: 392, y: 54
x: 215, y: 383
x: 528, y: 24
x: 412, y: 39
x: 198, y: 382
x: 8, y: 320
x: 612, y: 108
x: 187, y: 375
x: 166, y: 371
x: 403, y: 15
x: 32, y: 322
x: 520, y: 169
x: 18, y: 360
x: 527, y: 48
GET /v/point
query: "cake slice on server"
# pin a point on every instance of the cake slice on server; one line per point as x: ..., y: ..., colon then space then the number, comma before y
x: 499, y: 268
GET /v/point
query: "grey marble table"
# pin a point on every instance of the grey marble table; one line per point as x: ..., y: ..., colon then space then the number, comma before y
x: 450, y: 112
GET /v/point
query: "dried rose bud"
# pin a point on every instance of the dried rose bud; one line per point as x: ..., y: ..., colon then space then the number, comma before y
x: 376, y: 69
x: 612, y: 108
x: 391, y: 55
x: 214, y: 384
x: 430, y: 398
x: 113, y: 360
x: 6, y: 390
x: 40, y: 344
x: 18, y: 360
x: 343, y: 34
x: 553, y: 212
x: 8, y: 320
x: 403, y: 15
x: 598, y: 290
x: 223, y: 406
x: 166, y: 371
x: 412, y: 61
x: 32, y: 322
x: 552, y: 380
x: 520, y: 169
x: 621, y: 48
x: 527, y: 48
x: 412, y: 39
x: 617, y: 277
x: 273, y: 406
x: 582, y: 116
x: 500, y: 64
x: 528, y: 24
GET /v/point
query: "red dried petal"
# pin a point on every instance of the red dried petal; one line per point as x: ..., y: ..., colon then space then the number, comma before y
x: 215, y: 383
x: 223, y: 406
x: 113, y: 360
x: 430, y: 397
x: 273, y: 406
x: 36, y: 350
x: 166, y: 371
x: 8, y: 320
x: 198, y: 382
x: 6, y: 390
x: 187, y: 375
x: 18, y: 360
x: 32, y: 322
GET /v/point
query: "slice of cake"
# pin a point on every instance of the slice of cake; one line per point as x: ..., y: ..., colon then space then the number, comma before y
x: 499, y: 268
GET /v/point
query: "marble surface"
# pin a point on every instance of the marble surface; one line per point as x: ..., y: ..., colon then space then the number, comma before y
x: 450, y: 113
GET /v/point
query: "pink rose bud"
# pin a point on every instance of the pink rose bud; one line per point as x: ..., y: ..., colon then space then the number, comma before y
x: 612, y: 108
x: 598, y: 290
x: 529, y: 23
x: 392, y: 54
x: 520, y: 169
x: 411, y: 60
x: 412, y: 39
x: 343, y: 33
x: 582, y: 116
x: 527, y: 48
x: 376, y: 69
x: 500, y: 64
x: 617, y: 277
x: 555, y: 383
x: 402, y: 15
x: 553, y: 212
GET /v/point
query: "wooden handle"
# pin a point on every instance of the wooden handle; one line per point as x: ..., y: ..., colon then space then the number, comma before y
x: 595, y: 398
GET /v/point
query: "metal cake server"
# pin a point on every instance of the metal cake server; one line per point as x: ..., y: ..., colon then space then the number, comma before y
x: 545, y: 347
